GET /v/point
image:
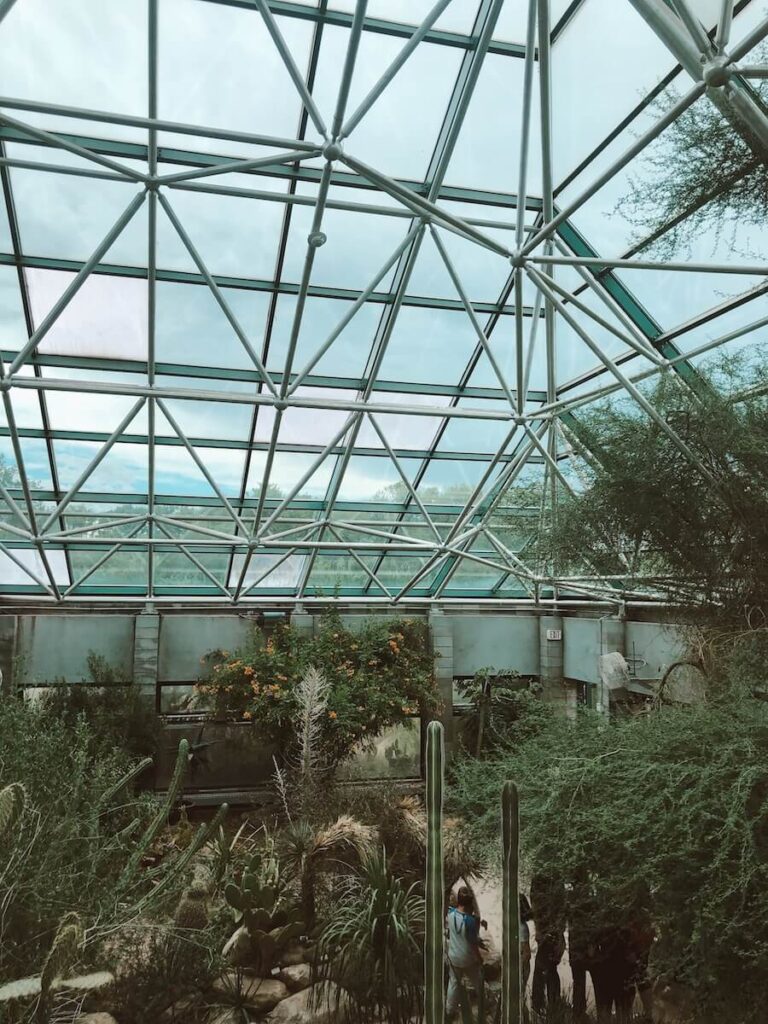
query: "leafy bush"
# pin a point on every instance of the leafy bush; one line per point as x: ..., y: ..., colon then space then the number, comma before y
x: 67, y: 851
x: 503, y: 706
x: 372, y: 946
x: 673, y: 804
x: 376, y: 677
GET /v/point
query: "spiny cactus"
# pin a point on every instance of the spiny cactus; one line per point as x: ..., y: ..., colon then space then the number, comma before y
x: 160, y: 819
x: 12, y: 800
x: 434, y: 998
x: 511, y: 1003
x: 192, y: 911
x: 63, y: 953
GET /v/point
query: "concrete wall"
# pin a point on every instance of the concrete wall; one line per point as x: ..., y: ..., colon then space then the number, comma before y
x: 149, y: 646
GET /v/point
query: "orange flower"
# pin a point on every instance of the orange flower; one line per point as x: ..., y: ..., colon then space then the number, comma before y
x: 248, y: 670
x: 332, y: 714
x: 248, y: 715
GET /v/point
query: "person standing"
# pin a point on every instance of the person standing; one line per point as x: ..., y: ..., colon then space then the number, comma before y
x: 548, y: 905
x: 464, y: 963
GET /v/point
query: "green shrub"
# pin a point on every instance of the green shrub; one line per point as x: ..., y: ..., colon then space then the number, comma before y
x: 672, y: 804
x: 377, y: 676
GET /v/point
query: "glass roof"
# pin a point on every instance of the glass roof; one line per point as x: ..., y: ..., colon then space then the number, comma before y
x: 303, y: 297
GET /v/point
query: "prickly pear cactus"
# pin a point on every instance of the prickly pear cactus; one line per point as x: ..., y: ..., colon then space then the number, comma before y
x: 261, y: 909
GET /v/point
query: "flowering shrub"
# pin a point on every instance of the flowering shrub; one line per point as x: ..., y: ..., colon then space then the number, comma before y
x: 377, y: 675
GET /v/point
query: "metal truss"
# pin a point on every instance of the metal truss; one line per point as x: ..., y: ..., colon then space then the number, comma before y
x: 258, y: 541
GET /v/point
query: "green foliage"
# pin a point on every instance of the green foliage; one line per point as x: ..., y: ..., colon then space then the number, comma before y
x: 71, y: 845
x: 700, y: 173
x: 648, y: 511
x: 166, y: 973
x: 372, y: 945
x: 376, y: 677
x: 503, y: 705
x: 118, y: 714
x: 663, y: 804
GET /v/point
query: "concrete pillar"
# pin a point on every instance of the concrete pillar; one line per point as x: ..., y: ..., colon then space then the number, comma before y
x: 146, y: 645
x: 8, y: 625
x: 551, y: 661
x: 441, y: 632
x: 302, y: 621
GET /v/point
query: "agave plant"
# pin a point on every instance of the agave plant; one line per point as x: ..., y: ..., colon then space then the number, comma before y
x: 372, y: 945
x: 307, y: 852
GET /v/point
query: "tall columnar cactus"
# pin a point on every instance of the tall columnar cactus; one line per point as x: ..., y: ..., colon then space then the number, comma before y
x: 511, y: 1002
x: 161, y: 818
x: 434, y: 999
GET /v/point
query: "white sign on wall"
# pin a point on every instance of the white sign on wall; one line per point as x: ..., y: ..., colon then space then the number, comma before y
x: 554, y: 634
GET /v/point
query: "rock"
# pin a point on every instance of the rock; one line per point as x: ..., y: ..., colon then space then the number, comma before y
x: 301, y: 1007
x: 180, y: 1010
x: 239, y: 949
x: 491, y: 957
x: 296, y: 977
x: 258, y: 994
x: 96, y: 1018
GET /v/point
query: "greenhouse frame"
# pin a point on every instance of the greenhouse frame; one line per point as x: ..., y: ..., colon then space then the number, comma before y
x: 291, y: 306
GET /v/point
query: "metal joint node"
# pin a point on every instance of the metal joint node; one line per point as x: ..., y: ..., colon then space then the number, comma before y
x: 316, y: 239
x: 333, y: 151
x: 152, y: 184
x: 518, y: 260
x: 717, y: 72
x: 280, y: 406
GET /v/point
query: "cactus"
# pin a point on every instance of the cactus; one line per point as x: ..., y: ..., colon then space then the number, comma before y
x: 511, y: 1002
x: 192, y: 911
x: 258, y: 903
x: 12, y: 800
x: 434, y: 952
x: 160, y: 819
x: 63, y: 953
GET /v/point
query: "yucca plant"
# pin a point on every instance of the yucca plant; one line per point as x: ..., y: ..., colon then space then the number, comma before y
x: 307, y: 852
x: 372, y: 945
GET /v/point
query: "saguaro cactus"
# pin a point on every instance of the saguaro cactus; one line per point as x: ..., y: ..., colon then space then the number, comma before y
x: 511, y: 1002
x: 434, y: 999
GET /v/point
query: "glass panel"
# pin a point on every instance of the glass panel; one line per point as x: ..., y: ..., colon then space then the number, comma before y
x: 234, y: 236
x: 36, y: 463
x: 175, y: 569
x: 358, y: 245
x: 107, y: 317
x: 218, y: 65
x: 83, y: 53
x: 347, y: 355
x: 413, y: 101
x: 67, y: 217
x: 277, y: 572
x: 190, y: 326
x: 124, y: 568
x: 288, y: 469
x: 375, y: 479
x: 123, y: 469
x: 444, y: 339
x: 395, y: 754
x: 487, y: 153
x: 177, y: 473
x: 12, y: 575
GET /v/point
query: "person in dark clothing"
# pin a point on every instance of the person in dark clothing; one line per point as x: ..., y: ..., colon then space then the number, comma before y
x: 611, y: 969
x: 526, y: 915
x: 581, y: 935
x: 548, y: 905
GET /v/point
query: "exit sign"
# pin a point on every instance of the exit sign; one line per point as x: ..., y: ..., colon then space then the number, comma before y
x: 554, y: 634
